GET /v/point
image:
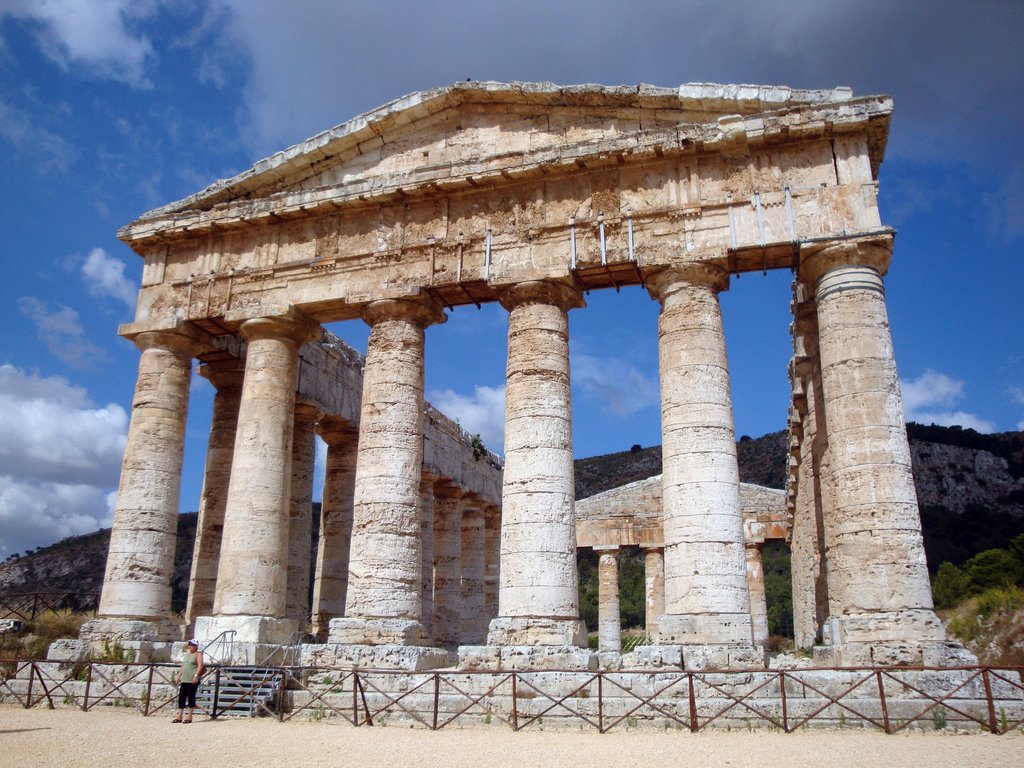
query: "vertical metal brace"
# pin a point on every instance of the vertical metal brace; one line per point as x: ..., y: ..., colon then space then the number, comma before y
x: 732, y: 223
x: 629, y: 235
x: 604, y: 250
x: 789, y: 215
x: 760, y: 216
x: 487, y: 255
x: 572, y: 242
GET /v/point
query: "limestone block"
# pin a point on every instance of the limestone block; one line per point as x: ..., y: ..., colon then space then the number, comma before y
x: 527, y: 657
x: 355, y: 656
x: 127, y: 630
x: 541, y: 631
x: 376, y: 631
x: 247, y: 629
x: 694, y: 629
x: 68, y: 650
x: 11, y: 626
x: 654, y: 657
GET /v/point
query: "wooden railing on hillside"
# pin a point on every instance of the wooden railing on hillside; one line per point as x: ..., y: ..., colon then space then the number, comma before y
x: 27, y: 605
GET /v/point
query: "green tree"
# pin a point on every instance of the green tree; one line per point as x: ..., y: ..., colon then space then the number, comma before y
x: 992, y: 568
x: 949, y: 587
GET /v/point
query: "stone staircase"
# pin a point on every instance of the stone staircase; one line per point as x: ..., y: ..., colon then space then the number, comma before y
x: 241, y: 692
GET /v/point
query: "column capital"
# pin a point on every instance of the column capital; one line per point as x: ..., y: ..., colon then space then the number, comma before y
x: 422, y: 310
x: 182, y: 341
x: 225, y: 375
x: 307, y: 412
x: 447, y: 490
x: 558, y: 294
x: 666, y: 282
x: 295, y: 327
x: 818, y: 259
x: 334, y: 430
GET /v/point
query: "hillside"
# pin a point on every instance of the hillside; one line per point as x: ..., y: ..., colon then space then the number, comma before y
x: 971, y: 488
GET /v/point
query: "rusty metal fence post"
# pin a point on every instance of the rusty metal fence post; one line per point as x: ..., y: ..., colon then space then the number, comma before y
x: 988, y: 700
x: 782, y: 695
x: 881, y: 701
x: 693, y: 703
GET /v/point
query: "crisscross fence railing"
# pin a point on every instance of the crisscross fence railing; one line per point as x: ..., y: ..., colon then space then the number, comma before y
x: 888, y: 699
x: 27, y: 605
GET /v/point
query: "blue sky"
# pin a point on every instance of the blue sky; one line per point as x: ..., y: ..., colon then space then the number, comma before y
x: 111, y: 107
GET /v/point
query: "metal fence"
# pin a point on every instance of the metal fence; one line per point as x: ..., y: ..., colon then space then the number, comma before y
x: 888, y: 699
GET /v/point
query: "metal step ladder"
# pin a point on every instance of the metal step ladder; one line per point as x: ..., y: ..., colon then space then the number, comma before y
x: 240, y: 691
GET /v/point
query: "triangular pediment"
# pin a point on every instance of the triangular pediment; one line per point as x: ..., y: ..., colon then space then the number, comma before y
x: 472, y: 129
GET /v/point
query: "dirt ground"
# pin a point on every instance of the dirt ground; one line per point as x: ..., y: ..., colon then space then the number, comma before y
x: 99, y: 738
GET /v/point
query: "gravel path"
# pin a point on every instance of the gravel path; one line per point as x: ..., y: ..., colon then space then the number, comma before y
x: 98, y: 739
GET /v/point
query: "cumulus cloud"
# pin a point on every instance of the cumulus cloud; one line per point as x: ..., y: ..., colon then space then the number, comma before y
x: 98, y: 37
x: 931, y: 398
x: 621, y: 388
x: 481, y: 413
x: 1017, y: 395
x: 59, y: 459
x: 104, y: 276
x: 62, y: 332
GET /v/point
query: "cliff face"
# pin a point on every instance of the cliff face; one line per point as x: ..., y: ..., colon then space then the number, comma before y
x: 971, y: 489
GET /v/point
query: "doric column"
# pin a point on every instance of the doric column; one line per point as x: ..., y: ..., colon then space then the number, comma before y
x: 140, y: 559
x: 807, y: 549
x: 474, y: 623
x: 654, y: 588
x: 331, y: 580
x: 226, y: 377
x: 538, y: 597
x: 426, y: 510
x: 706, y: 597
x: 758, y: 600
x: 609, y: 623
x: 447, y: 565
x: 878, y: 583
x: 253, y: 574
x: 300, y: 519
x: 492, y: 560
x: 383, y: 603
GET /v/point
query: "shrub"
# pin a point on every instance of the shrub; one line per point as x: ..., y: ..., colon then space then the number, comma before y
x: 949, y: 587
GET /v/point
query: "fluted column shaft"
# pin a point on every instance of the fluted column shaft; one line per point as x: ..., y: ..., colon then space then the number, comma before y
x: 140, y: 559
x: 878, y: 580
x: 474, y: 623
x: 808, y: 554
x: 331, y: 580
x: 385, y: 566
x: 492, y: 559
x: 426, y: 510
x: 706, y: 597
x: 227, y: 378
x: 253, y: 574
x: 758, y: 598
x: 447, y: 565
x: 609, y: 622
x: 654, y: 589
x: 300, y: 522
x: 538, y: 533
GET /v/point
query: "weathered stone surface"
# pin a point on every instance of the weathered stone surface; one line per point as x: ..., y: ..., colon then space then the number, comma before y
x: 11, y: 626
x: 609, y: 624
x: 527, y: 657
x: 395, y: 656
x: 535, y: 630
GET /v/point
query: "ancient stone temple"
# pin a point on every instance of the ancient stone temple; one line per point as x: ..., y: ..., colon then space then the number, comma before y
x: 529, y: 195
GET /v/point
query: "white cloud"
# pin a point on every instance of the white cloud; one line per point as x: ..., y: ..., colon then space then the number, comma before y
x: 60, y: 456
x: 51, y: 153
x: 481, y: 413
x: 95, y: 36
x: 104, y: 276
x: 62, y: 332
x: 622, y: 388
x: 930, y: 398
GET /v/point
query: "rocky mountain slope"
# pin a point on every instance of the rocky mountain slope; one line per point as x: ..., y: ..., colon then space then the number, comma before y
x: 971, y: 489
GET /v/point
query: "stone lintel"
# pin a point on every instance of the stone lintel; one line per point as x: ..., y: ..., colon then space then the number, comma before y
x: 526, y: 658
x: 371, y: 631
x: 536, y: 631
